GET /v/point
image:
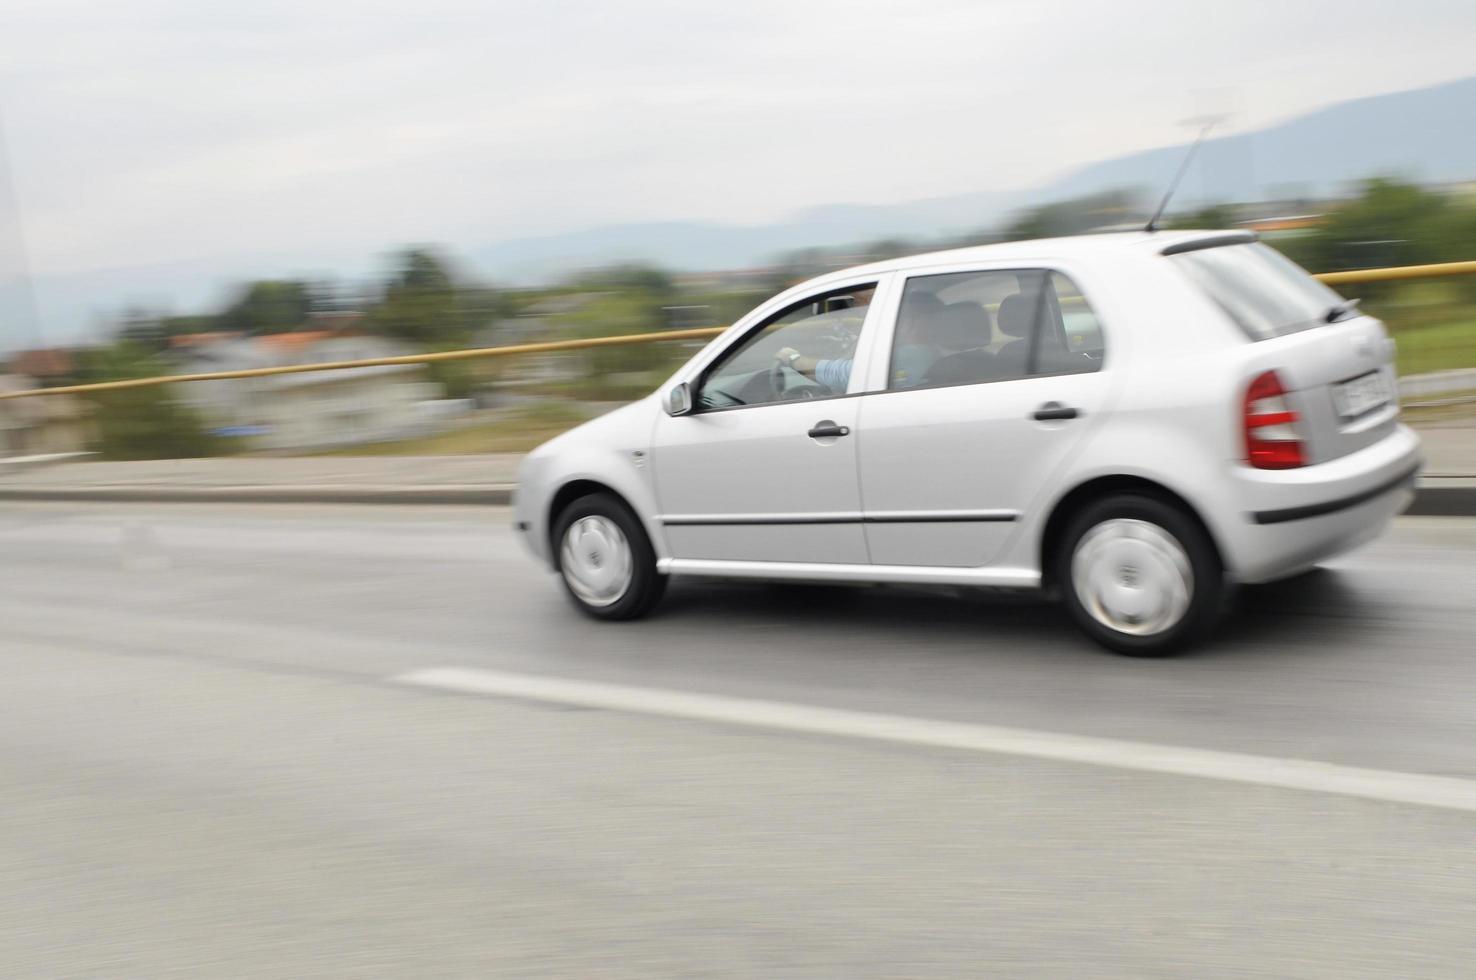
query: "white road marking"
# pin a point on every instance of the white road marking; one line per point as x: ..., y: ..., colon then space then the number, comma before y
x: 1299, y: 774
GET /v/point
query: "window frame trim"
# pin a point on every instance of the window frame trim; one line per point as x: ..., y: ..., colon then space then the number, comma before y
x: 697, y: 370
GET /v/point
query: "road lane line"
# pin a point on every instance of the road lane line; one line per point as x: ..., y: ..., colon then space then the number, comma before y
x: 1299, y: 774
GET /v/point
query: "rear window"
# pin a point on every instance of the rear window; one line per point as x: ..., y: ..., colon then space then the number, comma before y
x: 1262, y: 290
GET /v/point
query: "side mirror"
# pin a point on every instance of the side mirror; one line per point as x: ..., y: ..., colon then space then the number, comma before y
x: 679, y: 400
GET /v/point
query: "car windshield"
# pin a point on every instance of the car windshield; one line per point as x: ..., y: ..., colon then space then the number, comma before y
x: 1264, y: 292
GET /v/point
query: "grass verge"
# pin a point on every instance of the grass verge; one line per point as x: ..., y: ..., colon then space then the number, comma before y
x: 1440, y: 347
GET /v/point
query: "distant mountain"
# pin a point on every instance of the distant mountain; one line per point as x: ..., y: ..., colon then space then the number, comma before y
x: 1424, y: 134
x: 705, y: 245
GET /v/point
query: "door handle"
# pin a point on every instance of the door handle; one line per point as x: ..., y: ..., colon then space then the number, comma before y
x: 1052, y: 411
x: 827, y: 429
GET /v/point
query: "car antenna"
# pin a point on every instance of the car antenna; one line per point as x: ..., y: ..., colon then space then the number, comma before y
x: 1207, y: 124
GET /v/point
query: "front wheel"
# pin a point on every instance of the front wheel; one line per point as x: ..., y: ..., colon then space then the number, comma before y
x: 1139, y: 575
x: 605, y: 559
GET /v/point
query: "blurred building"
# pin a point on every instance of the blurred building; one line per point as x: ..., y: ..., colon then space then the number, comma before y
x: 47, y: 366
x: 1283, y: 226
x: 550, y: 319
x: 312, y: 410
x: 44, y: 425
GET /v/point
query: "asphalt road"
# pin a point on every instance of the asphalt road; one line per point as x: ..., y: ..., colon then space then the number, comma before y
x: 210, y: 766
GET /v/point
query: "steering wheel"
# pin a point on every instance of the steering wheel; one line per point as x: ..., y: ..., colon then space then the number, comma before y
x: 784, y: 390
x: 777, y: 380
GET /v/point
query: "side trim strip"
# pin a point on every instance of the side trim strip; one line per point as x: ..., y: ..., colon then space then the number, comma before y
x: 1333, y: 506
x: 880, y: 517
x: 1009, y: 578
x: 709, y: 520
x: 939, y: 517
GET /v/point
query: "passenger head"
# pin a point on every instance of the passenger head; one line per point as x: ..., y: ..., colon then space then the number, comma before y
x: 958, y: 326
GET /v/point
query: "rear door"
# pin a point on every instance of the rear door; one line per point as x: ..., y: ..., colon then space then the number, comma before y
x: 987, y: 394
x: 765, y: 468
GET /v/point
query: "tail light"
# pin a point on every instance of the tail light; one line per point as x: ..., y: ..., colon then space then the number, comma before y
x: 1271, y: 441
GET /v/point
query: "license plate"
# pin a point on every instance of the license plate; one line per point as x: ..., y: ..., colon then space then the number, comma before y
x: 1360, y: 395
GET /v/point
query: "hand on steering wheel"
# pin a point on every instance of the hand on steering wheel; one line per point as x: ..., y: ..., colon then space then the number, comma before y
x: 787, y: 388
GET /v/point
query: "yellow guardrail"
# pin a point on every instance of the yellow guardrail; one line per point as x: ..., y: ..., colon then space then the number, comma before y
x: 1400, y: 272
x: 702, y: 333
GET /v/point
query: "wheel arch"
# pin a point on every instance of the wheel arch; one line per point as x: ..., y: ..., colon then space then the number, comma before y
x: 1104, y: 486
x: 570, y: 492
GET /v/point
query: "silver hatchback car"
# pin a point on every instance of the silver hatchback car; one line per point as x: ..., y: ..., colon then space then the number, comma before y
x: 1130, y: 421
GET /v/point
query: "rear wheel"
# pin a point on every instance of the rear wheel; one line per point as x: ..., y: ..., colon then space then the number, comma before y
x: 1139, y: 575
x: 605, y: 559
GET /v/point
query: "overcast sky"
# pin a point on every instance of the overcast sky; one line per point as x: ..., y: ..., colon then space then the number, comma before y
x: 166, y: 130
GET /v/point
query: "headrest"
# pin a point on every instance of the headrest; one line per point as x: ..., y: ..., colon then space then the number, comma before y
x: 1016, y: 315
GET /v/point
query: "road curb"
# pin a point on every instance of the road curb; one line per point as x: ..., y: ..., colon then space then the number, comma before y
x: 498, y: 495
x: 1437, y: 497
x: 1434, y: 497
x: 21, y: 464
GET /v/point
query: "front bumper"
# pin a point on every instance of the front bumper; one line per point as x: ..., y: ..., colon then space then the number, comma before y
x: 528, y: 509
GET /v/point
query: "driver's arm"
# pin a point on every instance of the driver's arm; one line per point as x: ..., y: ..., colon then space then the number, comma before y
x: 833, y: 373
x: 792, y: 358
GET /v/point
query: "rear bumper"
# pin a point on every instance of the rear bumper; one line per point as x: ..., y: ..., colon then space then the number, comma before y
x: 1303, y: 512
x: 1293, y: 519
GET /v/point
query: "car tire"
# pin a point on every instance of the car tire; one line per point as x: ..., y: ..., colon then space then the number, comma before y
x: 605, y: 560
x: 1139, y: 575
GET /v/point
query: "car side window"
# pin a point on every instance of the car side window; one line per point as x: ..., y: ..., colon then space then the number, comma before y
x: 1082, y: 332
x: 975, y: 327
x: 804, y: 351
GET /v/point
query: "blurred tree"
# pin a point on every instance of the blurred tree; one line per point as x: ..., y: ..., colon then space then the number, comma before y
x: 328, y: 296
x: 268, y: 306
x: 1453, y: 237
x: 140, y: 423
x: 153, y: 331
x: 891, y: 248
x: 1077, y: 215
x: 795, y: 267
x: 458, y: 379
x: 422, y: 304
x: 629, y: 369
x: 144, y: 328
x: 632, y: 276
x: 1212, y: 218
x: 1389, y: 223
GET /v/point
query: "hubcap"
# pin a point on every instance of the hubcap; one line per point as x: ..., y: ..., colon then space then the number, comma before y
x: 1132, y: 576
x: 596, y: 561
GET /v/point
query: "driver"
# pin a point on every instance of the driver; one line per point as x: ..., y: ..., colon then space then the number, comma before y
x: 914, y: 353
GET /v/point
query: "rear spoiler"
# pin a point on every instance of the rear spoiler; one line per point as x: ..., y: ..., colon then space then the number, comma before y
x: 1215, y: 241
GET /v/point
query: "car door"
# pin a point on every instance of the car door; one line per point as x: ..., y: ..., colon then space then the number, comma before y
x: 764, y: 467
x: 953, y: 453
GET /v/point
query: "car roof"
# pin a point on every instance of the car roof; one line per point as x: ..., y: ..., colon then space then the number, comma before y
x: 1074, y: 246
